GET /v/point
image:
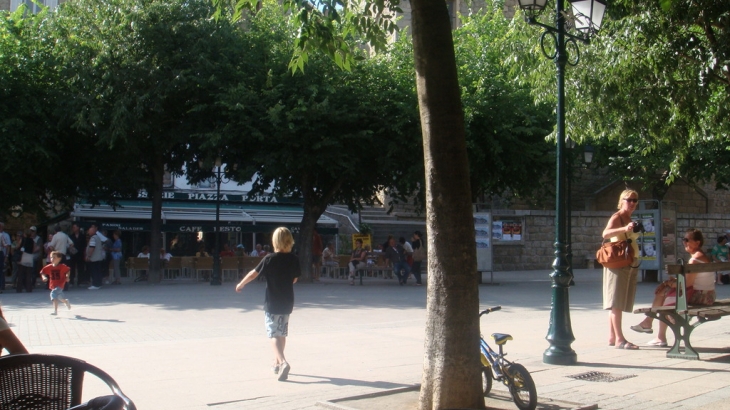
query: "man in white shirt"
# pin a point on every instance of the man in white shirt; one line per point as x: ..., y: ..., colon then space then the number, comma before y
x: 165, y: 256
x: 256, y: 251
x: 95, y: 256
x: 60, y: 242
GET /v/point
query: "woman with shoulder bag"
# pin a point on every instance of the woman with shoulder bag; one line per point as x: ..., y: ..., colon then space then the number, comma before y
x: 619, y: 284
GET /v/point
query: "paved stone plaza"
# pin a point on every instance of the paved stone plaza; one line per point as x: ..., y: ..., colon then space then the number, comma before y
x: 193, y: 346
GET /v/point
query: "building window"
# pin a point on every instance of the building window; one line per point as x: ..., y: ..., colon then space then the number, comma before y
x: 207, y: 183
x: 34, y: 7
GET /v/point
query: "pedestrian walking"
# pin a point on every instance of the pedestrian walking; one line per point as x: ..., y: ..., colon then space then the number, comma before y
x: 57, y: 274
x: 281, y: 270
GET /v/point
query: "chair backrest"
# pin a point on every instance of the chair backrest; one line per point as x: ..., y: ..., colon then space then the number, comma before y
x: 174, y: 263
x: 204, y: 263
x: 48, y: 382
x: 249, y: 262
x: 343, y: 260
x: 230, y: 263
x: 187, y: 261
x: 139, y: 263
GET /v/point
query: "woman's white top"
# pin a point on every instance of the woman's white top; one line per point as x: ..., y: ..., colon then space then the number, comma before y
x: 703, y: 280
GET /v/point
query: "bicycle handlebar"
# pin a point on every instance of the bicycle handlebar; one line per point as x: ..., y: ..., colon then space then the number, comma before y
x: 492, y: 309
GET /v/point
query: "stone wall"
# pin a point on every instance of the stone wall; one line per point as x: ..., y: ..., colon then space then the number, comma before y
x: 537, y: 250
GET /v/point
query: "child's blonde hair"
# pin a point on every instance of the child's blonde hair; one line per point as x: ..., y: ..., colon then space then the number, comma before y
x: 282, y: 240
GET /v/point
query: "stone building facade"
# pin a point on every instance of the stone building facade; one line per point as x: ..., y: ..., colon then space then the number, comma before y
x: 537, y: 250
x: 594, y: 198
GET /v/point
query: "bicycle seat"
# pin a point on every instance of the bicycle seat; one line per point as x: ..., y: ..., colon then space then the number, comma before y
x: 501, y: 338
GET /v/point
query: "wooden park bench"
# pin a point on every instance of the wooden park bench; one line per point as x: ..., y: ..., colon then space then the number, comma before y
x: 683, y: 318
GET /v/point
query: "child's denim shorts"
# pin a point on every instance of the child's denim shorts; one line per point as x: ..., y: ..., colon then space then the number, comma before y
x: 276, y: 325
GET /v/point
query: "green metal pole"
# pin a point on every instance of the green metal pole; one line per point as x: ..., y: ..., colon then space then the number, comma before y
x: 569, y: 215
x: 560, y: 334
x: 215, y: 278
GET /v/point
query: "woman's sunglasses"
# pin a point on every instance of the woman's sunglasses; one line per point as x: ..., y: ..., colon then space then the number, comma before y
x: 632, y: 200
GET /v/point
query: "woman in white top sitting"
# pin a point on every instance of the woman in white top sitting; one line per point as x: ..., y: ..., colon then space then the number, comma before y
x: 700, y: 288
x: 328, y: 255
x: 145, y: 252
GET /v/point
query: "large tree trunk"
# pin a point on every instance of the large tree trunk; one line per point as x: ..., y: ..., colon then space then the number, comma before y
x: 306, y: 230
x: 315, y: 203
x: 451, y: 368
x: 157, y: 171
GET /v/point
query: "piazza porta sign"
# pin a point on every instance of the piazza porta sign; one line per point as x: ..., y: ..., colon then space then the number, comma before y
x: 212, y: 196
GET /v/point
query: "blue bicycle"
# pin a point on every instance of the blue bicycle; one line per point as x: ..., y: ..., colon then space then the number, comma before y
x: 513, y: 375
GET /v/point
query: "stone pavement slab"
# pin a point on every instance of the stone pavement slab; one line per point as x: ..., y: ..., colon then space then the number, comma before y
x: 193, y: 346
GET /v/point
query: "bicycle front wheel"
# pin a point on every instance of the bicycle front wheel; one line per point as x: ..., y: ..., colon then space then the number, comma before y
x: 487, y: 379
x: 521, y: 387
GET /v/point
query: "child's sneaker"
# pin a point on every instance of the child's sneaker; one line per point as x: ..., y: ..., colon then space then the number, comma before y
x: 284, y: 373
x: 275, y: 369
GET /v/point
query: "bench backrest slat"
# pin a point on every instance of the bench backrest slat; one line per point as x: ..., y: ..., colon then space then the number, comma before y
x: 698, y: 267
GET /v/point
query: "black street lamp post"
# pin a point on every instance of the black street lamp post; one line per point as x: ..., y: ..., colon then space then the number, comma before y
x: 215, y: 278
x: 585, y: 17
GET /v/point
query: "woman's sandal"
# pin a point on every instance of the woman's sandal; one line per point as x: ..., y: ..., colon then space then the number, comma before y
x: 627, y: 346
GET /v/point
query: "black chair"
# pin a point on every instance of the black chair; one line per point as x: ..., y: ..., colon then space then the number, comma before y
x: 52, y: 382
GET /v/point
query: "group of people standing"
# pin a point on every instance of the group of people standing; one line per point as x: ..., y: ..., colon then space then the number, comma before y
x: 619, y: 284
x: 87, y: 255
x: 405, y: 258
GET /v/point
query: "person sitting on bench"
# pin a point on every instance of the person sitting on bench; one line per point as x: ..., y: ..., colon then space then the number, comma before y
x: 700, y: 288
x: 358, y: 260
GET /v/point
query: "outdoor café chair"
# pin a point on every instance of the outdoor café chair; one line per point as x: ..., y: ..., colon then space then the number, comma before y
x: 52, y: 382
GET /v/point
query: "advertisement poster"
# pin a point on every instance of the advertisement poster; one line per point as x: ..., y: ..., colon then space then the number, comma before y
x: 366, y: 240
x: 648, y: 249
x: 647, y: 223
x: 497, y: 230
x: 668, y: 246
x: 483, y: 234
x: 507, y: 230
x: 669, y: 232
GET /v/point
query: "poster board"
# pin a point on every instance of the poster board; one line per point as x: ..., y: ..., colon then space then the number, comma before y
x: 367, y: 240
x: 483, y: 236
x: 650, y: 241
x: 669, y: 233
x: 507, y: 229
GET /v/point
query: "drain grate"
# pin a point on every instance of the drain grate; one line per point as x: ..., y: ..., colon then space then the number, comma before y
x: 601, y: 377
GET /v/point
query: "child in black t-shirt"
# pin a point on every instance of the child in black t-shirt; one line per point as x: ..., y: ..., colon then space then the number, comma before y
x: 281, y: 270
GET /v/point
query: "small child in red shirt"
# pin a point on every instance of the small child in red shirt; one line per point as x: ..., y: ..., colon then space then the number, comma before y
x: 58, y: 273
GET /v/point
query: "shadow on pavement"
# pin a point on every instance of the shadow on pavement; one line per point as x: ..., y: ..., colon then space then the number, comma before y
x: 84, y: 318
x: 335, y: 381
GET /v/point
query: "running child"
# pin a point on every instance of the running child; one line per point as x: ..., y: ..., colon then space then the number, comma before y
x: 281, y: 270
x: 58, y: 274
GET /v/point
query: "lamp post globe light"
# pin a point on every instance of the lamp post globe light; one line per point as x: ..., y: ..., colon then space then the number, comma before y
x: 586, y: 17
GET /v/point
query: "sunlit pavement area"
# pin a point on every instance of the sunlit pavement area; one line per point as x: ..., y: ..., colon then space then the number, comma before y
x: 196, y: 346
